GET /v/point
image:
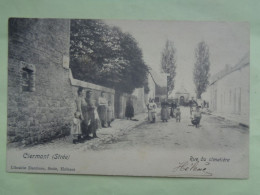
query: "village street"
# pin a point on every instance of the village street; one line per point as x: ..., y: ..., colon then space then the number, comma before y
x: 214, y: 134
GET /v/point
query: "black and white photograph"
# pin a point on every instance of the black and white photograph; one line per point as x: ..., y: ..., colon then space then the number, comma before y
x: 128, y: 97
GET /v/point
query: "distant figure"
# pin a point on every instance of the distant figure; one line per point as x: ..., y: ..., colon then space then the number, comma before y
x: 193, y: 104
x: 102, y: 109
x: 164, y: 111
x: 173, y: 107
x: 152, y: 111
x: 76, y: 127
x: 109, y: 113
x: 178, y: 114
x: 196, y: 117
x: 129, y: 110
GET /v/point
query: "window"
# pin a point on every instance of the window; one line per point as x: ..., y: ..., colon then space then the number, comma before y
x: 27, y: 77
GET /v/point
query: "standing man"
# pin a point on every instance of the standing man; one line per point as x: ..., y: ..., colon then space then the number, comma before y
x: 102, y: 109
x: 192, y: 104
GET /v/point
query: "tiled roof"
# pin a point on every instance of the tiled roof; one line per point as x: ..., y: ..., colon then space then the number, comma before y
x: 228, y: 70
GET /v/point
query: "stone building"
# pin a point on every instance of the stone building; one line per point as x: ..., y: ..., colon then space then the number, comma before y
x: 40, y: 97
x: 41, y: 89
x: 229, y: 91
x: 182, y: 96
x: 160, y: 85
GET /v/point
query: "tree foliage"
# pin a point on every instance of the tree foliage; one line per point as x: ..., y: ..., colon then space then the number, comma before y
x: 104, y: 55
x: 201, y: 68
x: 168, y: 64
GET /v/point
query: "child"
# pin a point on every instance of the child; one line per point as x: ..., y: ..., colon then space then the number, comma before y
x: 109, y: 113
x: 76, y: 127
x: 178, y: 114
x: 196, y: 116
x: 154, y: 113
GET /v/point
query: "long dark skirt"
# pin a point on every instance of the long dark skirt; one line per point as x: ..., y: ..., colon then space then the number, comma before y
x: 89, y: 124
x: 129, y: 111
x: 102, y: 112
x: 84, y: 128
x: 164, y: 113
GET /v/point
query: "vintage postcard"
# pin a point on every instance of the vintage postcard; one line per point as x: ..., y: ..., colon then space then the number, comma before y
x: 125, y: 97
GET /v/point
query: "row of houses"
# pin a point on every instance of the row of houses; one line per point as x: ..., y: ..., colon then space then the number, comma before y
x: 229, y: 90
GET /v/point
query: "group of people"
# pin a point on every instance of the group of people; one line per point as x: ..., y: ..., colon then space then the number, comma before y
x: 175, y: 112
x: 90, y: 116
x: 165, y: 115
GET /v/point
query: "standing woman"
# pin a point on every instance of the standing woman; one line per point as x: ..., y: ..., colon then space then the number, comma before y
x: 164, y: 111
x: 109, y: 113
x: 79, y: 101
x: 93, y: 119
x: 149, y: 108
x: 129, y: 110
x: 102, y: 109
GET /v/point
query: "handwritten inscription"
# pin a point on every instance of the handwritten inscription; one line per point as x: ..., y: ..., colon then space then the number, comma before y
x: 194, y: 167
x: 198, y: 166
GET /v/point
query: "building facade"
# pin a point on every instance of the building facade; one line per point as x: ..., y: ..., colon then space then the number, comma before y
x: 182, y: 96
x: 40, y: 97
x: 41, y: 89
x: 229, y: 91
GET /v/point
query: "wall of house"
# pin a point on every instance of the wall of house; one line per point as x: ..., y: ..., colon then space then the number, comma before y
x: 41, y: 88
x: 230, y: 94
x: 40, y: 97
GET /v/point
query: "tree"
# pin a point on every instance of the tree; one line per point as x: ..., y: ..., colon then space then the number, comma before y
x: 168, y: 64
x: 201, y: 68
x: 104, y: 55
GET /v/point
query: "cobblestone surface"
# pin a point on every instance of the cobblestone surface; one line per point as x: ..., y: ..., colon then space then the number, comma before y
x: 214, y: 134
x: 120, y: 127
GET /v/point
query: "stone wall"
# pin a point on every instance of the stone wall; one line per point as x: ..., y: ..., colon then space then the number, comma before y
x: 120, y: 104
x: 96, y: 90
x: 44, y: 108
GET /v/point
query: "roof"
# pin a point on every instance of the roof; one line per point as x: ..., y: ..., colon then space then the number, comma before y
x: 182, y: 90
x: 159, y: 78
x: 228, y: 70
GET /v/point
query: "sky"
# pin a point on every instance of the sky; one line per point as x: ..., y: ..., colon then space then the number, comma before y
x: 228, y: 42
